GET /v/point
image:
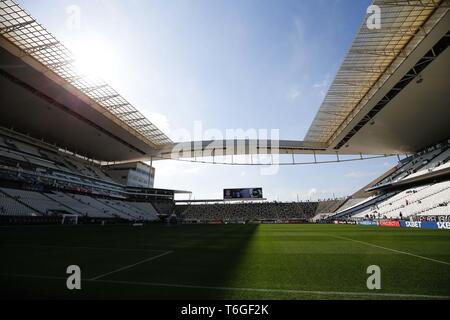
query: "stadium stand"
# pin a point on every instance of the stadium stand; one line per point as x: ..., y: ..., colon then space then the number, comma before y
x: 38, y: 201
x: 411, y: 203
x: 146, y: 207
x: 9, y: 206
x: 37, y: 179
x: 329, y: 206
x: 351, y: 203
x: 431, y: 160
x: 419, y: 187
x: 431, y: 199
x: 77, y: 205
x: 232, y: 212
x: 441, y: 162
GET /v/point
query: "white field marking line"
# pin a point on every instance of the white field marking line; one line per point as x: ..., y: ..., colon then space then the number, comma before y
x: 293, y: 291
x: 393, y: 250
x: 132, y: 265
x: 83, y: 248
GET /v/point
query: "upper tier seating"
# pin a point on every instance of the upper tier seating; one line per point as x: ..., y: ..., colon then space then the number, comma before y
x: 430, y: 160
x: 439, y: 163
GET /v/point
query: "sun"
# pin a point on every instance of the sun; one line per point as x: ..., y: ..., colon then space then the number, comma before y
x: 94, y: 57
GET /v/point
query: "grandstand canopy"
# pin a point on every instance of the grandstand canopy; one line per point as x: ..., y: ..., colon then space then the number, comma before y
x: 44, y: 95
x: 390, y: 95
x: 391, y: 92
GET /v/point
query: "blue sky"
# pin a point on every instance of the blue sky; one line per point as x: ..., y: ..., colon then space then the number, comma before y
x: 231, y: 65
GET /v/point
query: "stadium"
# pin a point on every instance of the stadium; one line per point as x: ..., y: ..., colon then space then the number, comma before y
x: 77, y: 181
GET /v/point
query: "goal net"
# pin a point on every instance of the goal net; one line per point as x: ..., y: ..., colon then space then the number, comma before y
x: 70, y: 219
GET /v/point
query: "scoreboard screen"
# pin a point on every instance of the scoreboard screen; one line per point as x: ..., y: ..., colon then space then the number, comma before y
x: 245, y: 193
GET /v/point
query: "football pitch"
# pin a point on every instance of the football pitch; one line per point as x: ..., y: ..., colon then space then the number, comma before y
x: 224, y: 262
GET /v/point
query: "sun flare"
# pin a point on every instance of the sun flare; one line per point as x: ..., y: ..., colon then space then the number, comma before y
x: 95, y: 58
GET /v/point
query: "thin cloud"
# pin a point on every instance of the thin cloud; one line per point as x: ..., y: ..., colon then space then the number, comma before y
x: 293, y: 94
x: 359, y: 174
x: 324, y: 83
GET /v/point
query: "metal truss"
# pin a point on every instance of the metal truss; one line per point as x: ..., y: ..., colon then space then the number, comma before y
x: 255, y: 160
x: 19, y: 28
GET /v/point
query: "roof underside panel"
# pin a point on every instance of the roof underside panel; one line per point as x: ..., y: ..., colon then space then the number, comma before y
x: 373, y: 57
x: 18, y: 27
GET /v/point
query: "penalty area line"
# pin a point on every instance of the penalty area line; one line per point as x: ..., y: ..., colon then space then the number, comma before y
x: 291, y: 291
x: 131, y: 265
x: 392, y: 250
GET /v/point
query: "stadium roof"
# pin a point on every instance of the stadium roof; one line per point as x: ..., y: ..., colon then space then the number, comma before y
x: 34, y: 41
x: 390, y: 95
x: 43, y: 95
x: 375, y: 55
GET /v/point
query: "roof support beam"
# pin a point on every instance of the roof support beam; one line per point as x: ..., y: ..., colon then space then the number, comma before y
x: 16, y: 27
x: 59, y: 64
x: 106, y: 98
x: 94, y: 88
x: 137, y: 120
x: 127, y: 113
x: 117, y: 106
x: 38, y: 48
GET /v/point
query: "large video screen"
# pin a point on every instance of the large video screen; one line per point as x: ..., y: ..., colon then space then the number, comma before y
x: 245, y: 193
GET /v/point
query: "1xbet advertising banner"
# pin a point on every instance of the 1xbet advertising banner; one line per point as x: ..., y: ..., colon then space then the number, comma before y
x: 443, y: 225
x: 425, y: 225
x: 429, y: 225
x: 411, y: 224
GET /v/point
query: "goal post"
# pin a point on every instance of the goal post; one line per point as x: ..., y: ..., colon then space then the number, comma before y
x: 69, y: 219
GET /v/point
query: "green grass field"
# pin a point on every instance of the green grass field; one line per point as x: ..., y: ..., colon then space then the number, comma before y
x: 224, y: 262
